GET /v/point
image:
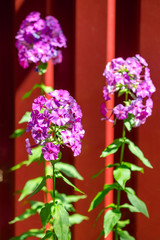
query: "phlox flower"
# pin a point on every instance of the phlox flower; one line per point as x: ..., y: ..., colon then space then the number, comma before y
x: 132, y: 78
x: 54, y: 122
x: 39, y: 133
x: 28, y: 146
x: 121, y: 112
x: 38, y: 103
x: 60, y: 117
x: 51, y: 151
x: 68, y: 137
x: 39, y: 40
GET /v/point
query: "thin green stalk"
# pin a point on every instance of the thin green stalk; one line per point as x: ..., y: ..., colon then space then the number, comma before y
x: 121, y: 160
x: 54, y: 237
x: 119, y: 188
x: 41, y: 83
x: 54, y: 187
x: 54, y: 184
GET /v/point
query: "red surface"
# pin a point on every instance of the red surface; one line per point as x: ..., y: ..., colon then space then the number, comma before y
x: 110, y: 54
x: 49, y: 81
x: 127, y: 45
x: 149, y: 134
x: 90, y: 61
x: 90, y: 45
x: 24, y: 81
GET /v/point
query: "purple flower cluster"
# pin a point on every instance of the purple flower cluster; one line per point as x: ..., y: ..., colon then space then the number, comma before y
x: 132, y: 78
x: 54, y: 122
x: 39, y: 40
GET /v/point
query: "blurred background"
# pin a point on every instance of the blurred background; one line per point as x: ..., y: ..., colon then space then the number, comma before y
x: 96, y: 31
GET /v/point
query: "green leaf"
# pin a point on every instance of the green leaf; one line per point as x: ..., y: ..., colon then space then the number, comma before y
x: 136, y: 202
x: 138, y: 153
x: 31, y: 233
x: 100, y: 196
x: 25, y: 215
x: 18, y: 132
x: 122, y: 91
x: 28, y: 212
x: 124, y: 235
x: 108, y: 166
x: 101, y: 234
x: 133, y: 167
x: 40, y: 186
x: 30, y: 187
x: 68, y: 199
x: 76, y: 219
x: 42, y: 68
x: 122, y: 175
x: 36, y: 205
x: 129, y: 122
x: 74, y: 198
x: 36, y: 154
x: 69, y: 183
x: 26, y: 117
x: 123, y: 223
x: 47, y: 235
x: 111, y: 218
x: 68, y: 170
x: 17, y: 166
x: 45, y: 213
x: 41, y: 159
x: 46, y: 89
x: 112, y: 148
x: 130, y: 207
x: 112, y: 205
x: 27, y: 94
x: 63, y: 199
x: 61, y: 222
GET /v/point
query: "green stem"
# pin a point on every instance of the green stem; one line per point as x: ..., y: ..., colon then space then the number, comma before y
x: 121, y: 160
x: 45, y: 174
x: 41, y: 83
x: 54, y: 188
x: 54, y: 184
x: 119, y: 188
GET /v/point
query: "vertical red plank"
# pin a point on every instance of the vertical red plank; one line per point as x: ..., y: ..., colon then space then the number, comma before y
x: 24, y: 79
x: 49, y: 81
x: 127, y: 45
x: 110, y: 54
x: 90, y: 59
x: 149, y: 133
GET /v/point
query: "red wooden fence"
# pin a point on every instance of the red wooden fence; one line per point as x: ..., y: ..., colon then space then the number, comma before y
x: 90, y: 44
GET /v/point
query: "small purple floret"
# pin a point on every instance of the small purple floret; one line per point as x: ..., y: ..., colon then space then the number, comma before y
x: 51, y: 151
x: 28, y: 146
x: 121, y: 112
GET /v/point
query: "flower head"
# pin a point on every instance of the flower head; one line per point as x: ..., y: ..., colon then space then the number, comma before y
x: 54, y: 122
x: 39, y: 40
x: 132, y: 78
